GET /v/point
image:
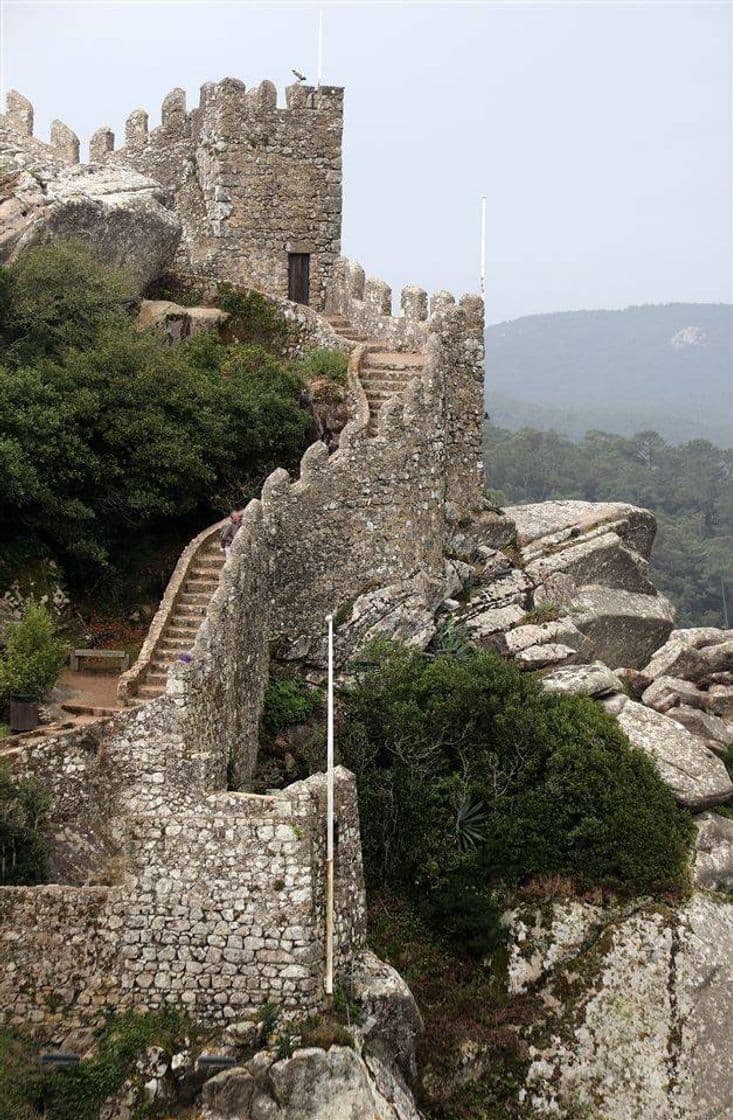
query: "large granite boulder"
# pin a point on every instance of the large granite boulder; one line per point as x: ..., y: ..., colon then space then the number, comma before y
x: 713, y: 868
x: 634, y: 1009
x: 693, y: 655
x: 177, y: 322
x: 393, y: 1024
x: 696, y: 776
x: 593, y: 680
x: 549, y: 527
x: 122, y: 216
x: 623, y: 627
x: 313, y: 1084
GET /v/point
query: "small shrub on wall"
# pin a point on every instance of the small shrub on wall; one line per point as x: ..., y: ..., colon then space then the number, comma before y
x: 470, y: 776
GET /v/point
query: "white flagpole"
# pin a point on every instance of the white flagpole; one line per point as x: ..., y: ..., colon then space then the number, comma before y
x: 319, y: 77
x: 329, y: 816
x: 483, y: 246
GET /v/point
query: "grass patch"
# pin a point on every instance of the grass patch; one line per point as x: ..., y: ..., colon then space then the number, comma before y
x: 331, y: 364
x: 78, y: 1092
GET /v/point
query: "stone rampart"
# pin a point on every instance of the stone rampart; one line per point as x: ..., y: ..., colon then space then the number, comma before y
x: 197, y: 878
x: 367, y: 304
x: 219, y: 908
x: 378, y: 510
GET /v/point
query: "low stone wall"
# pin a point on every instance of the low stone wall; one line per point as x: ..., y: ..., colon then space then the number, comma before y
x: 221, y: 908
x: 367, y: 304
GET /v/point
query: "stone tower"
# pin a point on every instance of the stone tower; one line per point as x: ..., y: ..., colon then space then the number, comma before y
x: 257, y: 187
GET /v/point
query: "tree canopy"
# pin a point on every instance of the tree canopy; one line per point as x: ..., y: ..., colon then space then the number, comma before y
x: 106, y: 431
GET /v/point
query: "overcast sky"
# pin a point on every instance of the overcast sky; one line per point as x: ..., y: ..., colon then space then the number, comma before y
x: 600, y: 133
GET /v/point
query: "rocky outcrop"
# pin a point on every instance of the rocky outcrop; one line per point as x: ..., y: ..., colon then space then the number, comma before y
x: 594, y: 680
x: 634, y: 1009
x: 623, y: 627
x: 178, y: 322
x: 713, y: 867
x: 591, y: 560
x: 122, y: 216
x: 392, y: 1025
x: 313, y: 1084
x: 696, y: 776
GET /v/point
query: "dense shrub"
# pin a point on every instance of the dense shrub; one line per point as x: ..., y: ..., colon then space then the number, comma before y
x: 469, y: 775
x: 54, y: 298
x: 33, y: 656
x: 80, y: 1091
x: 288, y: 701
x: 253, y: 318
x: 106, y: 432
x: 23, y: 839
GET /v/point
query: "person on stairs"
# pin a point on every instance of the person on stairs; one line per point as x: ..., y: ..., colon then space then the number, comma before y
x: 229, y: 531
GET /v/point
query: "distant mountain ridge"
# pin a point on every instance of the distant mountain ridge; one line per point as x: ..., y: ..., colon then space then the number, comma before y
x: 668, y: 367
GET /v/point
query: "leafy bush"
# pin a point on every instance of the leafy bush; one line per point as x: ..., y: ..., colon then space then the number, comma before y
x: 55, y: 298
x: 470, y: 776
x: 288, y: 701
x: 253, y: 318
x: 331, y: 364
x: 23, y: 840
x: 33, y: 656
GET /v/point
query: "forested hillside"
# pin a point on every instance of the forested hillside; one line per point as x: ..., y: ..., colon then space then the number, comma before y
x: 667, y: 367
x: 689, y: 488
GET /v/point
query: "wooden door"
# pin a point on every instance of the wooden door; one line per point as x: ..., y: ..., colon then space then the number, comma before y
x: 299, y: 277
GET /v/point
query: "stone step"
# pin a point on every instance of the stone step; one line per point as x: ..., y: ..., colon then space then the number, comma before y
x: 393, y: 383
x: 150, y: 691
x: 337, y: 321
x: 175, y: 644
x: 190, y: 610
x: 205, y: 585
x: 394, y: 359
x: 157, y: 679
x: 182, y: 628
x: 194, y: 598
x: 206, y: 571
x: 381, y: 395
x: 162, y: 663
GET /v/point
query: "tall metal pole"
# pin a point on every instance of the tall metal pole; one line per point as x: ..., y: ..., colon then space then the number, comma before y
x: 725, y: 602
x: 319, y: 76
x: 3, y: 107
x: 329, y: 816
x: 483, y: 246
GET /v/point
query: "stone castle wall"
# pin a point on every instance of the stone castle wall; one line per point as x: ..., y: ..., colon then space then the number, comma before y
x: 374, y: 513
x: 250, y: 181
x: 218, y: 909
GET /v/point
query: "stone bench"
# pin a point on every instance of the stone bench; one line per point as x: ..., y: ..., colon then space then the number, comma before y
x: 103, y: 655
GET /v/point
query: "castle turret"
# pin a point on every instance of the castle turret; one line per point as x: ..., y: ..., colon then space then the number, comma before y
x: 257, y: 187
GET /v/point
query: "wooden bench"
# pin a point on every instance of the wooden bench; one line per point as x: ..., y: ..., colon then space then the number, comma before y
x: 102, y: 655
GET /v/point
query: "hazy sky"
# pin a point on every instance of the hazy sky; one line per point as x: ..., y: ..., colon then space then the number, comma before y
x: 600, y: 133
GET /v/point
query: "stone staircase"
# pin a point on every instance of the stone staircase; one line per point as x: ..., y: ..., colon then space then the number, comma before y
x: 181, y: 613
x: 383, y: 373
x: 187, y: 615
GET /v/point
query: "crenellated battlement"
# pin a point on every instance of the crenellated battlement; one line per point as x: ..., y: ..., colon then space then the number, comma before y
x: 254, y: 183
x: 63, y: 141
